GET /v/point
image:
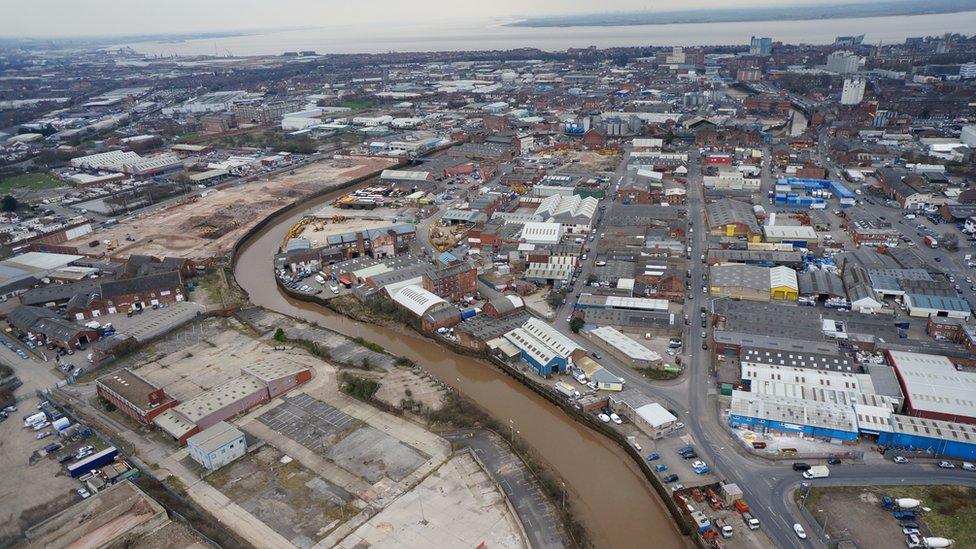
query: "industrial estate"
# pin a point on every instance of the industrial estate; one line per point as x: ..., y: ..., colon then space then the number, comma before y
x: 721, y: 296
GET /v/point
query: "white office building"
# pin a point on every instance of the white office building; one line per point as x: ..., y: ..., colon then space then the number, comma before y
x: 217, y: 445
x: 853, y: 91
x: 843, y: 62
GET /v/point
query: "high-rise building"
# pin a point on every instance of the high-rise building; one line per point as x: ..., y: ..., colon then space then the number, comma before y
x: 843, y: 62
x: 761, y: 46
x: 967, y: 70
x: 853, y: 91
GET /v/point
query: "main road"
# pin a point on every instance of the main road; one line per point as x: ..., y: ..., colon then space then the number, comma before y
x: 767, y: 485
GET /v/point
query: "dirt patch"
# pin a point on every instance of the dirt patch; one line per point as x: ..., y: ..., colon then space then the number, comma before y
x: 288, y: 497
x: 202, y: 227
x: 847, y: 510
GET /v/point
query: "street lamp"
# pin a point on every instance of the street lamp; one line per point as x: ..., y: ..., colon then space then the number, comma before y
x: 564, y: 495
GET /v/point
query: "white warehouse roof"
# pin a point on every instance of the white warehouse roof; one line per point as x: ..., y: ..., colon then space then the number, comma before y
x: 655, y: 415
x: 416, y: 299
x: 618, y: 340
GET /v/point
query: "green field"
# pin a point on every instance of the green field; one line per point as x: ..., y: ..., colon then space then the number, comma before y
x: 29, y: 181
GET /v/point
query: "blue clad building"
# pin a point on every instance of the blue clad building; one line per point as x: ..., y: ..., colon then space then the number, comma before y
x: 542, y: 347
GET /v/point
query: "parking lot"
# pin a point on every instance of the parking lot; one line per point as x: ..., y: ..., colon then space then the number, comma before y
x: 310, y: 422
x: 152, y: 323
x: 33, y: 486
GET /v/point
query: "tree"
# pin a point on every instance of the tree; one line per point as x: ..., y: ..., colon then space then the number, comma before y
x: 9, y: 203
x: 556, y: 298
x: 280, y: 336
x: 669, y: 137
x: 576, y: 324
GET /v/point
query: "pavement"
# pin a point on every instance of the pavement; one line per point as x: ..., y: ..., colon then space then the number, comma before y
x: 534, y: 510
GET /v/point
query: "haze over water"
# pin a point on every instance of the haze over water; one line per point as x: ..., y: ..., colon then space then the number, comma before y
x: 487, y: 35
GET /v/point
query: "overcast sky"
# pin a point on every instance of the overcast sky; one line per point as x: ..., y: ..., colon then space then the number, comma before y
x: 71, y: 18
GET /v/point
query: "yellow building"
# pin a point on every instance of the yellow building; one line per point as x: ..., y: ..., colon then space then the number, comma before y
x: 783, y: 284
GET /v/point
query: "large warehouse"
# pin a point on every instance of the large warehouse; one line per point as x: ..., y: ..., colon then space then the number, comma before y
x: 544, y: 348
x: 933, y: 388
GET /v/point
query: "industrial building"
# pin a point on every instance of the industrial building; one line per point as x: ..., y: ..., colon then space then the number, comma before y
x: 624, y: 348
x: 933, y: 388
x: 134, y: 396
x: 763, y: 412
x: 754, y: 283
x: 650, y: 417
x: 217, y: 445
x: 235, y: 397
x: 543, y: 347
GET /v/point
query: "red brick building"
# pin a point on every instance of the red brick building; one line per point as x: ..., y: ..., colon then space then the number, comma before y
x: 452, y: 283
x: 134, y: 396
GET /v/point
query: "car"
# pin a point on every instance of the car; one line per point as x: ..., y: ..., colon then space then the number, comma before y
x: 800, y: 533
x: 966, y: 466
x: 946, y: 465
x: 64, y: 458
x: 913, y: 541
x: 678, y: 425
x: 833, y: 461
x: 700, y: 467
x: 616, y: 419
x: 653, y: 457
x: 901, y: 459
x: 43, y: 435
x: 670, y: 478
x: 41, y: 425
x: 704, y: 335
x: 677, y: 487
x: 596, y: 355
x: 704, y: 346
x: 660, y: 467
x: 592, y: 385
x: 800, y: 466
x: 910, y: 531
x: 604, y: 418
x: 938, y: 260
x: 84, y: 493
x: 53, y: 447
x: 689, y: 455
x: 638, y: 446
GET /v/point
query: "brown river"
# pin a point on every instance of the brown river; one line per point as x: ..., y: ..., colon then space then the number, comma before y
x: 609, y: 494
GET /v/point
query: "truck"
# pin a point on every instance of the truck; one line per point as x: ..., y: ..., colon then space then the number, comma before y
x: 751, y: 521
x: 723, y: 528
x: 741, y: 506
x: 907, y: 503
x: 566, y: 390
x: 32, y: 420
x: 930, y: 242
x: 817, y: 471
x: 93, y: 461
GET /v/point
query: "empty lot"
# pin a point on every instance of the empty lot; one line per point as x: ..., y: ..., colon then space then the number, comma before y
x: 202, y: 227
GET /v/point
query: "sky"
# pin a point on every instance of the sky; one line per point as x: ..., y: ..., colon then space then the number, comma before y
x: 87, y: 18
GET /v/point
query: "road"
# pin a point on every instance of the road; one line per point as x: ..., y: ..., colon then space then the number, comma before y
x: 766, y: 485
x: 937, y: 258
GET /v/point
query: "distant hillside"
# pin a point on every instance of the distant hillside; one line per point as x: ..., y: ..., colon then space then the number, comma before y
x: 832, y: 11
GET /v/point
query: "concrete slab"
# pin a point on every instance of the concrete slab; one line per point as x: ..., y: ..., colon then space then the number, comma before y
x: 455, y: 506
